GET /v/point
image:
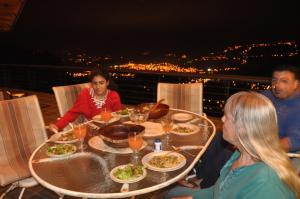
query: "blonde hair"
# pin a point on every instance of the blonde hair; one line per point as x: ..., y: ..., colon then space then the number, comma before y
x: 255, y: 118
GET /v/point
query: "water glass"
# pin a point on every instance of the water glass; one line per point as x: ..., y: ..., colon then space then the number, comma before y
x: 138, y: 116
x: 167, y: 126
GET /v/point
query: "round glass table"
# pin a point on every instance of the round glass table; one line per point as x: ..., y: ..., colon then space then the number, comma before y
x: 87, y: 174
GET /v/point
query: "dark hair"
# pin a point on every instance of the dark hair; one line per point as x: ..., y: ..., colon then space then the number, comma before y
x: 97, y: 72
x: 290, y: 68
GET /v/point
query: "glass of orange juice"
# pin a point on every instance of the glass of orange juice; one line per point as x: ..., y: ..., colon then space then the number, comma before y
x: 135, y: 141
x: 80, y: 131
x: 105, y: 115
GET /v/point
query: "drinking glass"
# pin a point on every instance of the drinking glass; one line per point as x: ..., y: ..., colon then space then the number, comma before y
x: 132, y: 116
x: 135, y: 141
x: 106, y: 115
x: 167, y: 126
x: 80, y: 133
x: 138, y: 116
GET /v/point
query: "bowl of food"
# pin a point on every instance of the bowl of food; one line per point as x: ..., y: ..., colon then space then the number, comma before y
x: 128, y: 173
x: 124, y: 112
x: 116, y: 135
x: 156, y: 112
x: 139, y: 115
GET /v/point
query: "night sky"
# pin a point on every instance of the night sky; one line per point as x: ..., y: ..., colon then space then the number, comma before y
x: 132, y: 25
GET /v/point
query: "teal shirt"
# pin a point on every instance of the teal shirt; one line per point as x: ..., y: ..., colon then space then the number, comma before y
x: 257, y: 181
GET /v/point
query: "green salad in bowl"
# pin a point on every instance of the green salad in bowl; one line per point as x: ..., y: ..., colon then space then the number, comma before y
x: 124, y: 112
x: 128, y: 173
x: 59, y: 150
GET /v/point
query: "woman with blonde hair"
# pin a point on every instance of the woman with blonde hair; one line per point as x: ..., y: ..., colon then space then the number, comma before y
x: 260, y: 167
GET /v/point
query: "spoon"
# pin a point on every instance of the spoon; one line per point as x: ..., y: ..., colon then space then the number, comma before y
x: 156, y: 105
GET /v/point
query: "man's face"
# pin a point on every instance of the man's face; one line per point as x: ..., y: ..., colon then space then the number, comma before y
x: 284, y: 84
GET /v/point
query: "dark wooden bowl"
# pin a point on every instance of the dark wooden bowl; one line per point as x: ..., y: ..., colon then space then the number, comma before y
x: 116, y: 135
x: 160, y: 111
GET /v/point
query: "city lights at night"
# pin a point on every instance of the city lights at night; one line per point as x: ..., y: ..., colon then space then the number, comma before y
x: 149, y: 98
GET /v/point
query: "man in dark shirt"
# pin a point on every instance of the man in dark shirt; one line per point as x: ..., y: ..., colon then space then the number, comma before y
x: 286, y: 99
x: 285, y: 96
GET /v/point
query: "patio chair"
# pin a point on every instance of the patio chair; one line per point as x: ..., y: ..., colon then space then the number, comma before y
x: 66, y: 96
x: 22, y: 131
x: 1, y: 95
x: 182, y: 96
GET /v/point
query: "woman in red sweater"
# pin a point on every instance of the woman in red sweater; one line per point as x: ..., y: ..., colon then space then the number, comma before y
x: 91, y: 101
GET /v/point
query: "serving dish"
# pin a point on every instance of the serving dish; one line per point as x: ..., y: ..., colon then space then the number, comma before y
x: 116, y: 135
x: 159, y: 111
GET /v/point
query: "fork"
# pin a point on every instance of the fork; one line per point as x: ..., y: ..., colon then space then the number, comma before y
x: 54, y: 138
x: 171, y: 151
x: 177, y: 149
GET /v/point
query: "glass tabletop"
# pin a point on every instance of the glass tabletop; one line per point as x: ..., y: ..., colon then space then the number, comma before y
x: 86, y: 174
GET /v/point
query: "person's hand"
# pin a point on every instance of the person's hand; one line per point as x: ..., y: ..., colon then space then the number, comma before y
x: 183, y: 197
x: 53, y: 128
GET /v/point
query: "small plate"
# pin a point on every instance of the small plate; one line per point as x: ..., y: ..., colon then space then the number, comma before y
x: 59, y: 137
x: 149, y: 156
x: 115, y: 117
x: 182, y: 117
x: 71, y: 147
x: 185, y: 126
x: 133, y: 180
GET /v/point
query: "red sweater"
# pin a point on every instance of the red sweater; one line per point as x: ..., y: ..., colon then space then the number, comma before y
x: 85, y: 105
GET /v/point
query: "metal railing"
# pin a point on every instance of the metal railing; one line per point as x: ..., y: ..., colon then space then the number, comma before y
x: 137, y: 88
